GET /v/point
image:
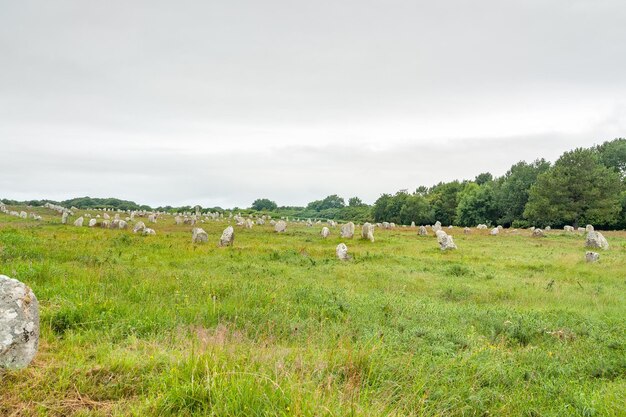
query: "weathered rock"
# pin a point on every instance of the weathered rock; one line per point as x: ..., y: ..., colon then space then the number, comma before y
x: 92, y: 222
x: 422, y: 231
x: 367, y: 232
x: 198, y: 235
x: 64, y: 217
x: 248, y: 224
x: 437, y: 226
x: 325, y: 232
x: 446, y: 242
x: 568, y: 228
x: 548, y: 228
x: 494, y: 231
x: 412, y: 224
x: 482, y: 227
x: 596, y: 240
x: 19, y: 324
x: 106, y: 216
x: 122, y: 224
x: 78, y: 222
x: 178, y: 220
x: 467, y: 230
x: 589, y: 228
x: 592, y: 257
x: 139, y: 227
x: 342, y: 252
x: 147, y: 232
x: 280, y: 226
x: 538, y: 233
x: 228, y: 237
x: 105, y: 224
x: 347, y: 230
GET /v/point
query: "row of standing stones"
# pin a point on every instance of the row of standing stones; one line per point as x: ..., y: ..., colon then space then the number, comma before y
x: 19, y: 308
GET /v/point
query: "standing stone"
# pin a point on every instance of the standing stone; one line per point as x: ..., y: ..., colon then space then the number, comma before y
x: 148, y: 232
x: 437, y: 226
x: 92, y: 222
x: 64, y: 217
x: 482, y: 227
x: 548, y: 228
x: 422, y: 231
x: 347, y: 230
x: 589, y: 228
x: 105, y: 224
x: 228, y: 237
x: 342, y: 252
x: 19, y: 324
x: 367, y: 232
x: 325, y: 232
x: 106, y: 216
x: 446, y: 242
x: 121, y: 224
x: 198, y: 235
x: 412, y: 224
x: 467, y: 230
x: 280, y: 226
x: 538, y: 233
x: 596, y: 240
x: 79, y: 222
x: 309, y: 223
x: 178, y: 220
x: 568, y: 229
x: 248, y: 224
x: 494, y: 231
x: 592, y: 257
x: 139, y: 227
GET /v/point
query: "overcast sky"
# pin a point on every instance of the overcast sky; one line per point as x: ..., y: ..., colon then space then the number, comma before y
x: 218, y: 103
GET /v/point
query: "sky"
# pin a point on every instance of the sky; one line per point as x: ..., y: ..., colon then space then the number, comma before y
x: 220, y: 103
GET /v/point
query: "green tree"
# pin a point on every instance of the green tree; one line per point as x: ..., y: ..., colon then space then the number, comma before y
x: 512, y: 194
x: 477, y: 204
x: 261, y: 204
x: 443, y: 198
x: 578, y: 189
x: 613, y: 155
x: 483, y: 178
x: 416, y: 209
x: 330, y: 202
x: 355, y: 202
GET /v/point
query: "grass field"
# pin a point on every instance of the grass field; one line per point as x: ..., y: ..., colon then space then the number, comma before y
x: 277, y: 326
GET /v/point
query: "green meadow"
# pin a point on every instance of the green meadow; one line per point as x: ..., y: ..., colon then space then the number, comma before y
x: 132, y: 325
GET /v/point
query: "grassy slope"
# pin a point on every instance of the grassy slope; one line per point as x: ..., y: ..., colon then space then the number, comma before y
x: 132, y: 325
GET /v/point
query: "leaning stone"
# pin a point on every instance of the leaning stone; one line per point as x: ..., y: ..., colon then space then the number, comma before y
x: 342, y: 252
x: 139, y: 226
x: 596, y: 240
x: 228, y: 237
x: 592, y: 256
x: 19, y: 324
x: 198, y: 235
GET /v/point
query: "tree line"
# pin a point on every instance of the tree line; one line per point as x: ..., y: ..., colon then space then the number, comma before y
x: 585, y: 185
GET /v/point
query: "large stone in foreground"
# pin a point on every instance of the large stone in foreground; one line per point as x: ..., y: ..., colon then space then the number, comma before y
x: 198, y: 235
x: 228, y: 237
x: 596, y: 240
x: 19, y: 324
x: 280, y: 226
x: 342, y: 252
